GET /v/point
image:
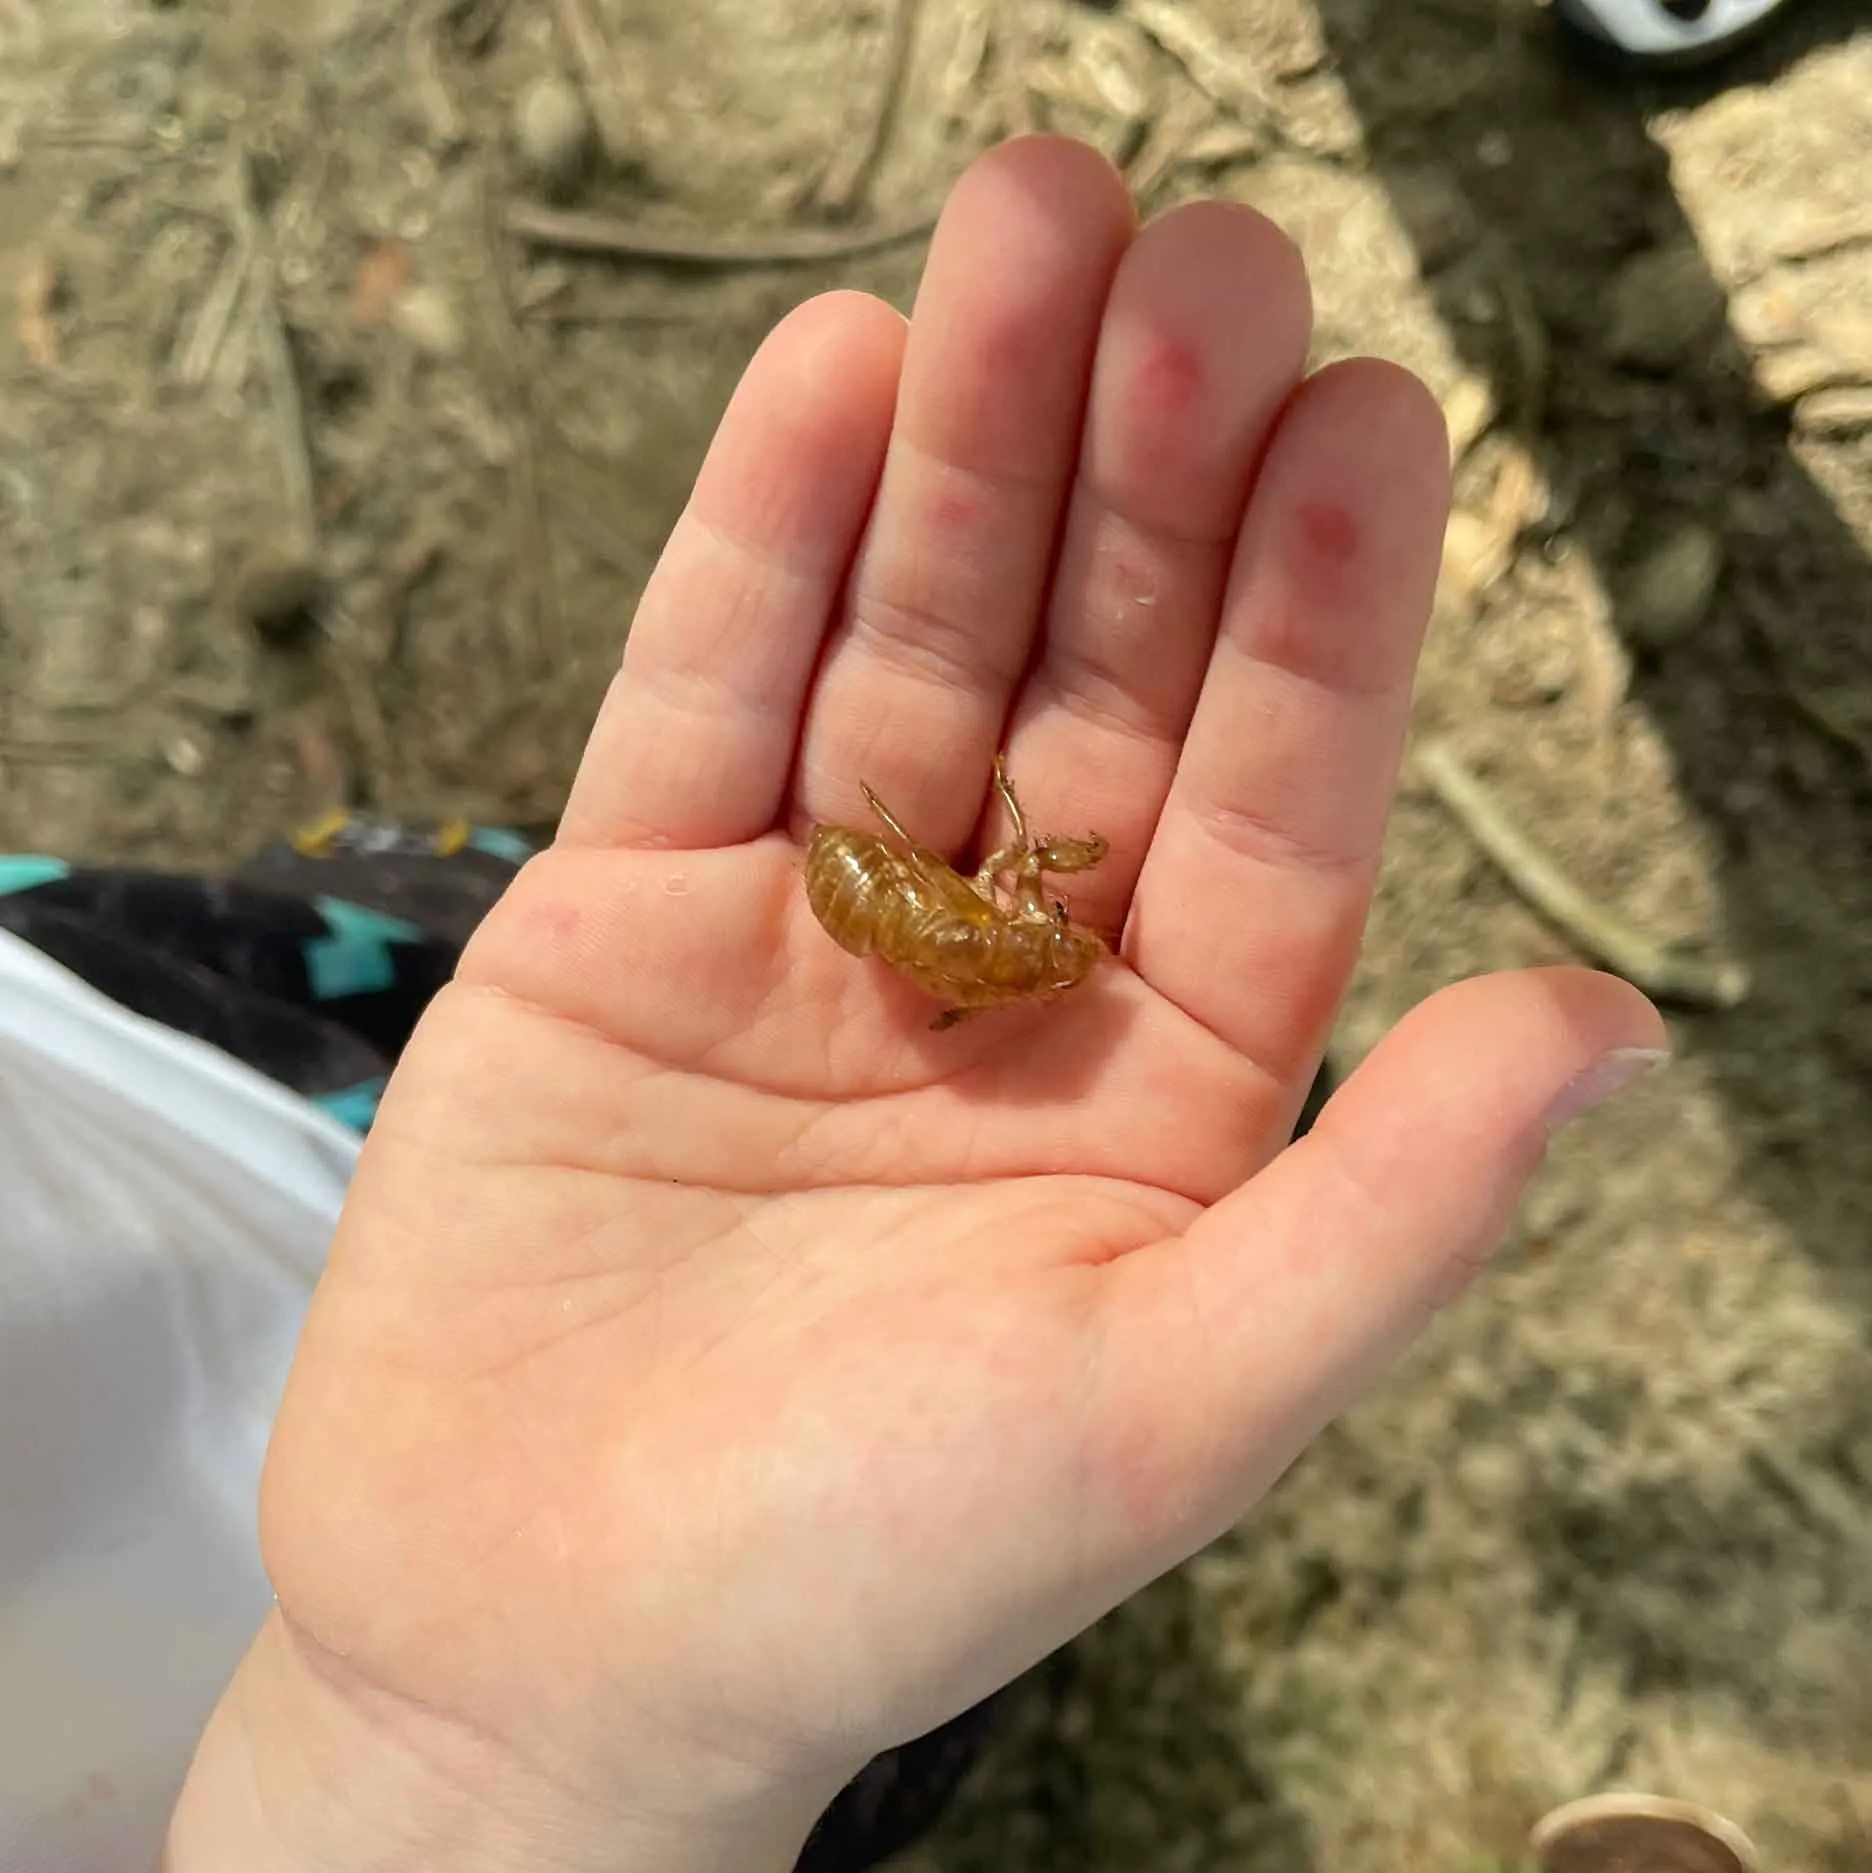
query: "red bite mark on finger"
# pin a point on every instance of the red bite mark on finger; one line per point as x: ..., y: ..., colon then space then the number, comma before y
x: 1329, y: 530
x: 1169, y: 378
x: 955, y: 512
x: 552, y: 924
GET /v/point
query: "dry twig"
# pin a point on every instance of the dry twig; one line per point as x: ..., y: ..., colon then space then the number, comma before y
x: 195, y: 358
x: 845, y: 181
x: 362, y: 705
x: 1019, y: 42
x: 1213, y: 68
x: 1533, y: 352
x: 446, y: 123
x: 549, y: 644
x: 1659, y: 969
x: 39, y: 288
x: 597, y: 78
x: 585, y: 519
x: 1837, y: 235
x: 40, y: 751
x: 289, y: 420
x: 1166, y: 142
x: 599, y: 234
x: 972, y: 24
x: 1842, y: 717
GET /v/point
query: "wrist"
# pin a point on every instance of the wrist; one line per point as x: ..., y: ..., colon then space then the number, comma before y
x: 297, y: 1774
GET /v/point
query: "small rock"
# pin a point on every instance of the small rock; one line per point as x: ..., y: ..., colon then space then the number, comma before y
x: 1469, y: 411
x: 1663, y: 306
x: 1765, y: 313
x: 185, y: 756
x: 382, y: 277
x: 1670, y: 589
x: 554, y: 134
x: 1475, y: 555
x: 426, y: 316
x: 540, y: 286
x: 1495, y: 149
x: 1835, y: 414
x: 1318, y: 116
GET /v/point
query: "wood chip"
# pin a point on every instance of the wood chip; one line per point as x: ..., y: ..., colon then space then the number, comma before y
x: 1214, y: 67
x: 1836, y: 414
x: 380, y: 280
x: 41, y: 285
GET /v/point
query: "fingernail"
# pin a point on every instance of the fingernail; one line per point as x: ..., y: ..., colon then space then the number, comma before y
x: 1607, y: 1075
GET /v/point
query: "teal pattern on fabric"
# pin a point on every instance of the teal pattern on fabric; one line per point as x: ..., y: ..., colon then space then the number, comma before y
x: 497, y: 843
x: 353, y: 1106
x: 355, y: 958
x: 21, y: 871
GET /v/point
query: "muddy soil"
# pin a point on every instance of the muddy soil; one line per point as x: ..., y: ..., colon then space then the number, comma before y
x: 332, y: 459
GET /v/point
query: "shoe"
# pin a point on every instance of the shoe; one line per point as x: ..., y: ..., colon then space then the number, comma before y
x: 1668, y: 32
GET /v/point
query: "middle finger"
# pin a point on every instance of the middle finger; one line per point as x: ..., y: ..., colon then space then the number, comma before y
x: 948, y: 587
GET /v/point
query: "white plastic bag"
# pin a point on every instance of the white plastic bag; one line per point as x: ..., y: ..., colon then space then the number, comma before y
x: 164, y: 1213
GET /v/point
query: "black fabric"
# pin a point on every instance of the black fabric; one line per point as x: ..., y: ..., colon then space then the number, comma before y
x: 228, y: 964
x: 312, y: 963
x: 280, y: 1035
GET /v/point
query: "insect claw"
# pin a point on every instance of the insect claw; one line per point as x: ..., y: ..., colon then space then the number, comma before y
x: 883, y: 812
x: 988, y: 940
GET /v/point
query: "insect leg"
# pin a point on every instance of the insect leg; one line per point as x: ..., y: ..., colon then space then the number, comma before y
x: 1030, y: 894
x: 1055, y: 855
x: 1069, y: 855
x: 1005, y: 788
x: 1009, y: 858
x: 931, y: 864
x: 885, y: 814
x: 1013, y: 855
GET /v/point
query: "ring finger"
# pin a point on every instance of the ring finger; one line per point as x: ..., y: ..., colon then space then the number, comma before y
x: 1204, y: 339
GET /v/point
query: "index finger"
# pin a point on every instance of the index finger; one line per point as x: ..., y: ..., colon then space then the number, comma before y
x: 695, y: 742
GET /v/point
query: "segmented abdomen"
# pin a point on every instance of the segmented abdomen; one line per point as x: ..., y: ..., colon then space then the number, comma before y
x: 858, y: 888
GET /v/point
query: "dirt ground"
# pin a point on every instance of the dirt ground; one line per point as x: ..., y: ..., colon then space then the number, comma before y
x: 330, y: 468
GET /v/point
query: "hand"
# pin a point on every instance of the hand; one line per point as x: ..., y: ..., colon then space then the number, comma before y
x: 720, y: 1376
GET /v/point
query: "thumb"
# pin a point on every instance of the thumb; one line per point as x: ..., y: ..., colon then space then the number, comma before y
x: 1284, y: 1301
